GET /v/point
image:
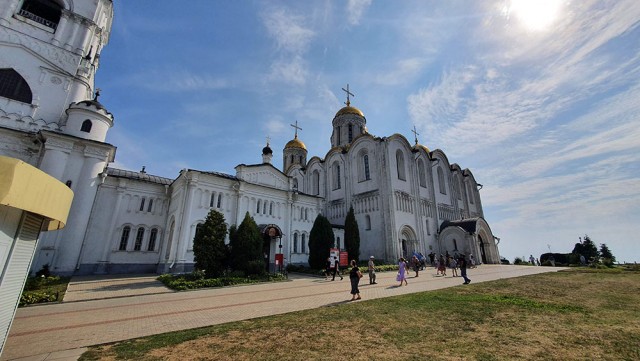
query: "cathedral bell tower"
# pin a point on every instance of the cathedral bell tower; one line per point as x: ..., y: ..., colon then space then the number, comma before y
x: 348, y: 123
x: 49, y: 116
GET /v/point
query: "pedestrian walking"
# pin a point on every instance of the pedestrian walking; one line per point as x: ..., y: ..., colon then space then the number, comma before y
x: 472, y: 261
x: 442, y: 266
x: 415, y: 264
x: 372, y: 271
x: 336, y: 268
x: 327, y: 268
x: 453, y: 264
x: 462, y: 262
x: 354, y: 277
x: 402, y: 272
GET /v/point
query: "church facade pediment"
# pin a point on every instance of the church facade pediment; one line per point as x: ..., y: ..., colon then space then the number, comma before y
x: 263, y: 174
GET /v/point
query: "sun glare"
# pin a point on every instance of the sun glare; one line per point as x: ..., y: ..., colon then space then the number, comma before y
x: 535, y: 15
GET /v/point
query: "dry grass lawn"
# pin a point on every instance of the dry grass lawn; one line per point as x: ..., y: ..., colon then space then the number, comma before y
x: 575, y: 315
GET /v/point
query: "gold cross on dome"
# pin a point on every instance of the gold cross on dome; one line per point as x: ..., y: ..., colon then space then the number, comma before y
x: 348, y: 103
x: 415, y: 133
x: 297, y: 128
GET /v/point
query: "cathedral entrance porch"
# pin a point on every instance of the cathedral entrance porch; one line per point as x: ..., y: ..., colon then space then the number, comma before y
x: 272, y: 247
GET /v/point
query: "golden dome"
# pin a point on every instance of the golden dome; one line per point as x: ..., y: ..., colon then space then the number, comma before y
x: 295, y: 143
x: 349, y: 110
x: 423, y: 147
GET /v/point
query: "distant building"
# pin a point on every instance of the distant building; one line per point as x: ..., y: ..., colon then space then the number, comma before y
x: 406, y: 197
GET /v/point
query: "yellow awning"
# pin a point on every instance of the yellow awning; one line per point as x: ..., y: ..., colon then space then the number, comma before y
x: 28, y: 188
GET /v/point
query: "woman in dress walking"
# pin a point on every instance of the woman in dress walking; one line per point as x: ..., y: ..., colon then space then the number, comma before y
x: 354, y: 277
x: 402, y: 272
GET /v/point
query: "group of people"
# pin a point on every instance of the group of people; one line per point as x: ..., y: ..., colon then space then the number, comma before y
x: 403, y: 268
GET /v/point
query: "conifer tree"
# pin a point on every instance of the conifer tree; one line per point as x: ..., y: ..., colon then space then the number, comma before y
x: 605, y: 253
x: 587, y: 249
x: 321, y: 239
x: 352, y: 235
x: 246, y: 248
x: 209, y: 250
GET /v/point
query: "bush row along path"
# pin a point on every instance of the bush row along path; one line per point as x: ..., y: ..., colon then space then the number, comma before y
x: 135, y: 307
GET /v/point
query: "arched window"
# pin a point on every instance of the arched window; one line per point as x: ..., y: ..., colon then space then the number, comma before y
x: 264, y: 207
x: 212, y: 201
x: 338, y: 242
x: 258, y: 207
x: 13, y: 86
x: 139, y: 237
x: 364, y: 169
x: 150, y: 207
x: 45, y: 12
x: 86, y: 126
x: 303, y: 243
x: 367, y: 222
x: 295, y: 184
x: 271, y: 209
x: 152, y: 240
x: 400, y: 165
x: 219, y: 205
x: 443, y: 188
x: 422, y: 177
x: 336, y: 176
x: 124, y: 238
x: 350, y: 133
x: 338, y: 135
x: 295, y: 243
x: 367, y: 173
x: 142, y: 204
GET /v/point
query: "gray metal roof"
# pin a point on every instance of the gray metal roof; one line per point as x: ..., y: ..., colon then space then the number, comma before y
x: 144, y: 177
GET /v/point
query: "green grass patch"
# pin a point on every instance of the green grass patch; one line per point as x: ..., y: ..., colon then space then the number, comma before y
x: 553, y: 316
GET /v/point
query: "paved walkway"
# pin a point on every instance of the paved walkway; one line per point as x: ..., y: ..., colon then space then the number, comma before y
x: 124, y: 311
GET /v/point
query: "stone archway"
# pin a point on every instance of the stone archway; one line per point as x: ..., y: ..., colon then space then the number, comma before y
x: 408, y: 241
x: 483, y: 252
x: 271, y: 245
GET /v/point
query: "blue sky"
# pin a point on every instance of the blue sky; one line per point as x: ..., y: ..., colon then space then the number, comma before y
x: 540, y: 99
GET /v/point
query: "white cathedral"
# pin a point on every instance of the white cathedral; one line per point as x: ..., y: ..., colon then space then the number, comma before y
x: 406, y: 197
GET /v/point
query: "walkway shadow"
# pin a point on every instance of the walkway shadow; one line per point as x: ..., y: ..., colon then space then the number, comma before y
x: 333, y: 304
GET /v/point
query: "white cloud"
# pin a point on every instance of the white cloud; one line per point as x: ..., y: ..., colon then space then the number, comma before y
x: 292, y: 71
x: 404, y: 70
x: 162, y: 80
x: 287, y: 30
x: 355, y: 9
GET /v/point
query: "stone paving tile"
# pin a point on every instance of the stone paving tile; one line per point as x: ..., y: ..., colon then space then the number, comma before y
x: 87, y: 288
x: 72, y: 325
